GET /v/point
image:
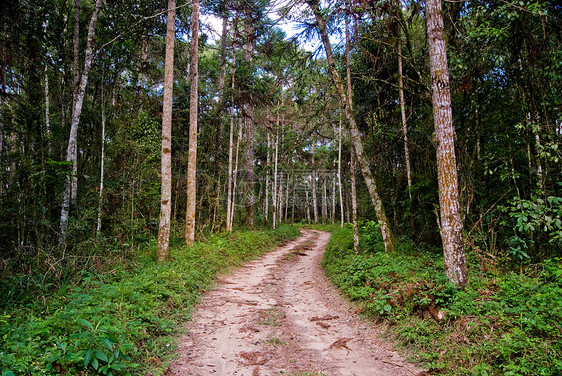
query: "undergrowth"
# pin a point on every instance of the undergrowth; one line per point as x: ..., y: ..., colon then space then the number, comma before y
x: 504, y: 323
x: 123, y: 321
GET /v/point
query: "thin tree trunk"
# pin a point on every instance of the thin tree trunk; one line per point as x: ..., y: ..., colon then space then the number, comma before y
x: 280, y: 200
x: 287, y: 190
x: 307, y: 205
x: 193, y: 114
x: 240, y: 126
x: 339, y: 175
x: 403, y: 113
x: 230, y: 201
x: 324, y: 200
x: 47, y: 106
x: 75, y: 92
x: 275, y: 175
x: 249, y: 135
x: 229, y: 189
x: 98, y: 227
x: 334, y: 193
x: 294, y: 201
x: 71, y: 185
x: 222, y: 73
x: 314, y: 198
x: 268, y: 161
x: 75, y: 54
x: 346, y: 104
x: 2, y: 99
x: 166, y: 163
x: 354, y: 204
x: 451, y: 224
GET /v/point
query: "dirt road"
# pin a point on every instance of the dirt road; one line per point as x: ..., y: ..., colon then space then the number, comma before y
x: 280, y: 315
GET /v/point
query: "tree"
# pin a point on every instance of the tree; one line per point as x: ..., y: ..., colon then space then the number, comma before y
x: 71, y: 185
x: 166, y: 163
x: 451, y: 224
x: 193, y: 113
x: 346, y: 104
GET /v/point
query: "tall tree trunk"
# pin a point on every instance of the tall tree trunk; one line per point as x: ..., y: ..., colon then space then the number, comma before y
x: 222, y: 72
x: 102, y: 158
x: 324, y: 200
x: 249, y: 134
x: 307, y: 205
x: 334, y: 199
x: 70, y: 185
x: 339, y: 175
x: 47, y: 106
x: 230, y: 201
x: 193, y: 114
x: 346, y: 104
x: 166, y: 163
x: 2, y: 99
x: 268, y: 162
x: 240, y: 127
x: 229, y: 189
x: 403, y: 113
x: 354, y: 204
x: 75, y: 92
x: 275, y: 175
x: 287, y: 190
x: 451, y: 224
x: 313, y: 177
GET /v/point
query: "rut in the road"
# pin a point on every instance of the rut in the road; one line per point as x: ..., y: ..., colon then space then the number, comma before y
x: 279, y: 314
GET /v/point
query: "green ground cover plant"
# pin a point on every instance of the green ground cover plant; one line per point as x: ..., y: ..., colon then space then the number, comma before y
x: 123, y: 321
x: 506, y: 322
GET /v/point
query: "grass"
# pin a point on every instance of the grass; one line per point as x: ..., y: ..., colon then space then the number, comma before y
x: 504, y: 323
x: 124, y: 321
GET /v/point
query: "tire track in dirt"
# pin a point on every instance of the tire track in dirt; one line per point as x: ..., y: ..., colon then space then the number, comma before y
x: 280, y: 315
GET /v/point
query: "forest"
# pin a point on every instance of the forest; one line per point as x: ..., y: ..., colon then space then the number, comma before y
x: 147, y: 146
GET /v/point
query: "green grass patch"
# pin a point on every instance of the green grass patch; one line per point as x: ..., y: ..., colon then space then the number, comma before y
x: 125, y: 321
x: 503, y: 323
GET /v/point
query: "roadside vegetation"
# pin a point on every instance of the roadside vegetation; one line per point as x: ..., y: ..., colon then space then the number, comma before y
x: 122, y: 321
x: 507, y: 321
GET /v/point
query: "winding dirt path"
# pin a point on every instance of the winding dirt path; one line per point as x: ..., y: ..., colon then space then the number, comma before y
x: 280, y: 315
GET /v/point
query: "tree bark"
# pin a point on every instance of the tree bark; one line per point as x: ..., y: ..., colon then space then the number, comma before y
x: 403, y: 113
x: 354, y: 204
x: 324, y: 200
x: 268, y: 162
x: 275, y: 175
x: 451, y: 224
x: 339, y: 175
x: 313, y: 177
x: 222, y: 72
x: 230, y: 201
x: 166, y: 163
x: 193, y: 114
x: 249, y: 134
x: 102, y: 158
x: 346, y: 104
x: 240, y: 126
x: 71, y: 184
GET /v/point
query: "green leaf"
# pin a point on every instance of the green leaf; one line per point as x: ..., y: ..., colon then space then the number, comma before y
x: 85, y: 323
x: 107, y: 343
x: 95, y: 363
x: 87, y: 357
x: 101, y: 355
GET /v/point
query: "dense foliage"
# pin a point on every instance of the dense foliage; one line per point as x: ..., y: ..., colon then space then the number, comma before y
x: 503, y: 323
x: 124, y: 321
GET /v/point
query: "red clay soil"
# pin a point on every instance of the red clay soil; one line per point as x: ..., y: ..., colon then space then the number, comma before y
x: 280, y: 315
